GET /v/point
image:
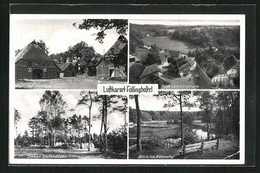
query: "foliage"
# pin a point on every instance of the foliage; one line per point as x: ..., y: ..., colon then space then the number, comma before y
x: 17, y: 116
x: 102, y: 25
x: 206, y: 36
x: 152, y: 142
x: 117, y: 140
x: 41, y: 45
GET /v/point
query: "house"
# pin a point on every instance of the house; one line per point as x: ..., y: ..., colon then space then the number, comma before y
x: 149, y: 73
x: 232, y: 66
x: 220, y: 77
x: 234, y: 71
x: 67, y: 70
x: 217, y: 74
x: 140, y: 74
x: 105, y: 67
x: 33, y: 63
x: 175, y: 54
x: 183, y: 66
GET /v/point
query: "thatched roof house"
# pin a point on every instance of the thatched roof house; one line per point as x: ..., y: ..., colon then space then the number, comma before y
x: 33, y: 63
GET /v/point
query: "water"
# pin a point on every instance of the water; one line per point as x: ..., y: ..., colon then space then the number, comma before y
x: 202, y: 134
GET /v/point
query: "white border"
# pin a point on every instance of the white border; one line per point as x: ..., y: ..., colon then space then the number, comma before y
x: 220, y: 17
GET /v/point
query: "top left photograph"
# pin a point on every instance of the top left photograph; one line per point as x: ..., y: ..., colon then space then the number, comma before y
x: 58, y: 53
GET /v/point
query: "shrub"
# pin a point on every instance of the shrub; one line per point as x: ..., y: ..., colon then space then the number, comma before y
x: 152, y: 142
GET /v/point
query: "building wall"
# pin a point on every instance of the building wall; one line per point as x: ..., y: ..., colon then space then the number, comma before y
x: 103, y: 68
x: 222, y: 78
x: 70, y: 71
x: 25, y: 70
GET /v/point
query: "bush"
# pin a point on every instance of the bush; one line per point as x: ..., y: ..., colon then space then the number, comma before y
x: 117, y: 140
x: 152, y: 143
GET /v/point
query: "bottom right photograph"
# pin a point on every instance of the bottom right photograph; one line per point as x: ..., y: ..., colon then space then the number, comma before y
x: 185, y: 125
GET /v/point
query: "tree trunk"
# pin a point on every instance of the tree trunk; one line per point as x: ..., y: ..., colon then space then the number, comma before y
x: 105, y: 121
x: 139, y: 144
x: 102, y: 122
x: 89, y: 136
x: 182, y: 129
x: 207, y: 122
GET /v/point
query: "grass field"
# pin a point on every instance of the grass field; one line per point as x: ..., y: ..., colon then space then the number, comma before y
x: 165, y: 42
x: 77, y: 82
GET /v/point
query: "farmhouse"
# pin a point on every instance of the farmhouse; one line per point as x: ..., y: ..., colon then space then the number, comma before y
x: 105, y: 66
x: 33, y: 63
x: 67, y: 70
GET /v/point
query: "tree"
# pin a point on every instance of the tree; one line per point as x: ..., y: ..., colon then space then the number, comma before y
x: 120, y: 25
x: 207, y: 102
x: 54, y: 105
x: 42, y: 46
x: 139, y: 144
x: 180, y: 98
x: 88, y: 101
x: 17, y: 117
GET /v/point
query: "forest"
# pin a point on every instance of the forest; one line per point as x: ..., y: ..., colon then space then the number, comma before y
x: 206, y: 36
x: 51, y: 127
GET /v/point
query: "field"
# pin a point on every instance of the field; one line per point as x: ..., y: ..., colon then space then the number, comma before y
x: 77, y: 82
x: 165, y: 42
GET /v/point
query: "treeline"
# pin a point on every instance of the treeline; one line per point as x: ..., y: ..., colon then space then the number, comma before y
x: 205, y: 36
x: 169, y: 116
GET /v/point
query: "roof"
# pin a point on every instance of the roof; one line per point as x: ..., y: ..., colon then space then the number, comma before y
x: 149, y: 70
x: 230, y: 62
x: 120, y: 43
x: 32, y: 52
x: 174, y: 53
x: 236, y: 66
x: 63, y: 66
x: 136, y: 70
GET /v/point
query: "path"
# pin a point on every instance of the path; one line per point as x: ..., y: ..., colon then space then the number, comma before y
x: 77, y: 82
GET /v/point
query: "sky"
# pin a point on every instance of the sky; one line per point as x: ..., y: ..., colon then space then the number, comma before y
x: 153, y: 103
x: 58, y: 34
x: 27, y: 103
x: 185, y: 22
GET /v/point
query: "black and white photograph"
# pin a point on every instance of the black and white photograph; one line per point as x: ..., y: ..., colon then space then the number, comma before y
x: 185, y: 54
x: 185, y: 125
x: 53, y: 53
x: 52, y: 124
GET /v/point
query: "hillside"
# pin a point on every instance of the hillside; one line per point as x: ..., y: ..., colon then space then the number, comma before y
x: 160, y: 115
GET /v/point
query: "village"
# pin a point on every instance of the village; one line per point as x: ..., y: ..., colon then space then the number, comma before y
x: 173, y: 67
x: 180, y: 70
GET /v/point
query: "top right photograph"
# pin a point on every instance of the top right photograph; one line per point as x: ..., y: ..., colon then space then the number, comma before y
x: 185, y: 54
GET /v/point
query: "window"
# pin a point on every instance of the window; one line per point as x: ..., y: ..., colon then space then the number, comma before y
x: 44, y: 69
x: 29, y: 69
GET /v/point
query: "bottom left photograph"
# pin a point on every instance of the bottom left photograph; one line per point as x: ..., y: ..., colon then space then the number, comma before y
x: 65, y: 124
